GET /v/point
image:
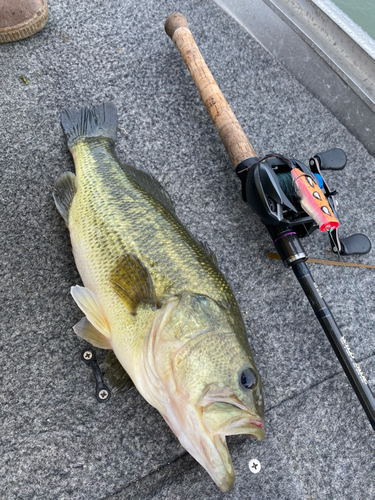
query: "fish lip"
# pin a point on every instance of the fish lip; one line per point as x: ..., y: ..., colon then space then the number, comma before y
x: 221, y: 449
x: 245, y: 422
x: 251, y: 427
x: 245, y: 425
x: 249, y: 420
x: 258, y: 423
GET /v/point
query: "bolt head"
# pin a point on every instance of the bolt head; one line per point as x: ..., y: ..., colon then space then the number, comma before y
x: 254, y: 466
x: 103, y: 394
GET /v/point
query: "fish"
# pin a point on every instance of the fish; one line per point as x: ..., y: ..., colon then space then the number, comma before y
x: 153, y: 296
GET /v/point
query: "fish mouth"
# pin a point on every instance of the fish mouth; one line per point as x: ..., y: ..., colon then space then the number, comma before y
x: 205, y: 437
x: 227, y: 419
x: 202, y: 432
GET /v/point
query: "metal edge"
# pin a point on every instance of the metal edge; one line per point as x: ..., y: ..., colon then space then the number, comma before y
x: 352, y: 61
x: 355, y: 32
x: 307, y: 64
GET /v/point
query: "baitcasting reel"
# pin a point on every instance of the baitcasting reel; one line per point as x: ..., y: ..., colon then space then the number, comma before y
x: 270, y: 188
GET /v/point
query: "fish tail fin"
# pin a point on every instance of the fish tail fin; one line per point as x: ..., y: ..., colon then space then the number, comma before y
x: 91, y: 121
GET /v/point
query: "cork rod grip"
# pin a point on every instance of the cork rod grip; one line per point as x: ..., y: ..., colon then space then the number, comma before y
x: 230, y: 131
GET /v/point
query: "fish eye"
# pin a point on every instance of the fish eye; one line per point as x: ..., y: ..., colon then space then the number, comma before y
x: 248, y: 379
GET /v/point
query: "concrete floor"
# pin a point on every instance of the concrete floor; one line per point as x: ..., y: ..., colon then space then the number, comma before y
x: 56, y: 441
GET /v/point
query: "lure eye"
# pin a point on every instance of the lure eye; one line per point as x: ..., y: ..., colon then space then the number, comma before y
x: 248, y: 379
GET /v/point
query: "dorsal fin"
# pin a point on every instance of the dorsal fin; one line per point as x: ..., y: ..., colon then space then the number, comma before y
x: 116, y: 375
x: 132, y: 282
x: 207, y: 250
x: 153, y: 186
x: 63, y: 193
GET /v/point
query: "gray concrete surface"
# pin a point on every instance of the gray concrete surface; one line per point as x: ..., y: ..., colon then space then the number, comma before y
x: 56, y: 441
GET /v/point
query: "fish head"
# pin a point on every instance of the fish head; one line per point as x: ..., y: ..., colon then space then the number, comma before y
x: 205, y: 383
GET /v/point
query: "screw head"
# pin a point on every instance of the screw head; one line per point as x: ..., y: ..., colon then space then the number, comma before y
x: 254, y: 466
x: 87, y: 355
x: 103, y: 394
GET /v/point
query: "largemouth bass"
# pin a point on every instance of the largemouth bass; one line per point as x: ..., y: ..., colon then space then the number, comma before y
x: 154, y: 295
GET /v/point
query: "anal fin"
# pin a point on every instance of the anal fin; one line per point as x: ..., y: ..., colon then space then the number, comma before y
x: 88, y: 332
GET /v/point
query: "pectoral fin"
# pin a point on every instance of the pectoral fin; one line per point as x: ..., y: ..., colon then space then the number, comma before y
x: 132, y: 282
x: 88, y: 332
x: 89, y: 304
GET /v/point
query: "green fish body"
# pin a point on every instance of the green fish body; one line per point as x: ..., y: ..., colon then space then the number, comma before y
x: 154, y: 295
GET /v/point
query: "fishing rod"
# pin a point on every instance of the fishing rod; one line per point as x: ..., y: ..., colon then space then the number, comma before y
x: 291, y: 199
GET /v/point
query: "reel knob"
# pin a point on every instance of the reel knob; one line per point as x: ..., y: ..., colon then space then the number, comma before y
x: 356, y: 244
x: 334, y: 159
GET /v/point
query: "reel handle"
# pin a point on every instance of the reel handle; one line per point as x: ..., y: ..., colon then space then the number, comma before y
x: 230, y: 131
